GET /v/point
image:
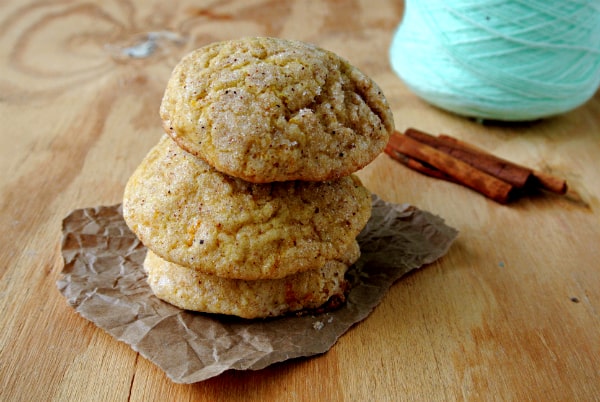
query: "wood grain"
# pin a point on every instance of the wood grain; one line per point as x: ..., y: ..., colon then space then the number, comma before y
x: 511, y: 313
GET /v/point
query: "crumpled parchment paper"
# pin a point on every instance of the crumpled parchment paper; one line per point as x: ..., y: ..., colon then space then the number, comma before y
x: 103, y: 280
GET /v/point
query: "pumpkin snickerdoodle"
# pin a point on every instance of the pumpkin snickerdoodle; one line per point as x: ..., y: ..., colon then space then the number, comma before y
x: 190, y: 214
x: 269, y: 109
x: 192, y: 290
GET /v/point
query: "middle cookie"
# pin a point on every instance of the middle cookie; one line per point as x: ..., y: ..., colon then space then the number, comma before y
x: 192, y: 215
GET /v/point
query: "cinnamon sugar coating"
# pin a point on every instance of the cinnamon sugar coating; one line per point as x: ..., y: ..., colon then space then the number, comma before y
x: 192, y: 215
x: 267, y: 109
x: 191, y: 290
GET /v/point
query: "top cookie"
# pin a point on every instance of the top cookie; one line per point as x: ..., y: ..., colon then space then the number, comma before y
x: 266, y: 110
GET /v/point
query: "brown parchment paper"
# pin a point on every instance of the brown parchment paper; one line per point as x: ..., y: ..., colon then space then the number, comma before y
x: 103, y: 280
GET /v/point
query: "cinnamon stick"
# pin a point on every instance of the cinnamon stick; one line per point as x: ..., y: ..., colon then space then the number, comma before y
x: 416, y: 165
x: 540, y: 179
x: 478, y: 180
x: 550, y: 183
x: 507, y: 171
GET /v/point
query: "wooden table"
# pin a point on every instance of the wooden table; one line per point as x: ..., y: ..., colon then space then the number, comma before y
x: 512, y: 312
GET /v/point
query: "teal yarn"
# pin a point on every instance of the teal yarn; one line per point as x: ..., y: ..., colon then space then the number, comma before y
x: 505, y: 60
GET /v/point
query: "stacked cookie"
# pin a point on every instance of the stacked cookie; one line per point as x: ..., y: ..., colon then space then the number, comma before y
x: 248, y: 206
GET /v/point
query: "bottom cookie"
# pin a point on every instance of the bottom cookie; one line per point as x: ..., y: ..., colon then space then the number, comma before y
x: 191, y: 290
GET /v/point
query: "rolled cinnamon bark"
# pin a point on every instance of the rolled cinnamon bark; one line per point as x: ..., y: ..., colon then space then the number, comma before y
x: 416, y: 165
x: 537, y: 179
x: 463, y: 173
x: 507, y: 171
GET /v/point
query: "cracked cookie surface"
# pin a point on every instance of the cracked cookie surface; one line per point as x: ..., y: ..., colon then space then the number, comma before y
x: 192, y: 290
x: 190, y: 214
x: 267, y: 109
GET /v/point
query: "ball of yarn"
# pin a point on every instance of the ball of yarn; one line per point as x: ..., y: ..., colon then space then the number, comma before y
x: 510, y: 60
